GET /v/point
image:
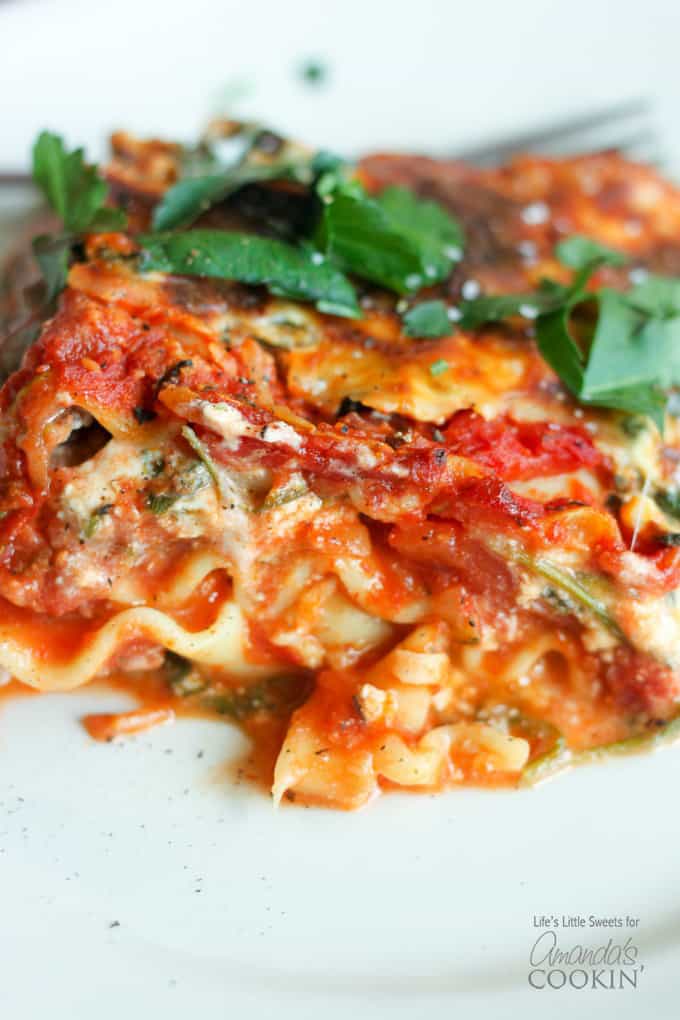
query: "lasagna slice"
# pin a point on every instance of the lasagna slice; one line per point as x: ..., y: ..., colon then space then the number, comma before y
x: 397, y: 544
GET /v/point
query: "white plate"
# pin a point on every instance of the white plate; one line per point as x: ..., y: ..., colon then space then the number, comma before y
x: 138, y: 880
x: 415, y: 906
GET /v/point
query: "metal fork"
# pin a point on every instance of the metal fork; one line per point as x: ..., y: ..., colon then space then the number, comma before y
x: 626, y: 127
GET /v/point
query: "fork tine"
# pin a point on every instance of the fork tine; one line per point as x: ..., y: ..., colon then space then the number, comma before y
x: 563, y: 135
x: 639, y: 146
x: 642, y: 147
x: 11, y: 178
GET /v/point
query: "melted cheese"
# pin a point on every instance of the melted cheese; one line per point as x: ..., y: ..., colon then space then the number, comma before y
x: 399, y: 380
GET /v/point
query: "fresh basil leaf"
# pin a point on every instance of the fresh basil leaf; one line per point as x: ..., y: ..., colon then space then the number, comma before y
x: 324, y: 161
x: 200, y: 160
x: 73, y: 187
x: 205, y: 183
x: 355, y: 233
x: 657, y: 300
x: 557, y: 291
x: 559, y: 349
x: 657, y: 295
x: 627, y: 360
x: 74, y: 190
x: 634, y: 350
x: 578, y: 252
x: 669, y: 365
x: 286, y: 271
x: 475, y: 312
x: 52, y: 255
x: 106, y: 219
x: 185, y: 201
x: 429, y: 319
x: 428, y: 224
x: 653, y: 351
x: 620, y: 370
x: 395, y: 240
x: 619, y: 351
x: 643, y: 399
x: 551, y: 295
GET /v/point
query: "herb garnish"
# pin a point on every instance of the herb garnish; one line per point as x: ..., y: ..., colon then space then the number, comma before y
x: 313, y: 72
x: 203, y: 454
x: 77, y: 194
x: 186, y: 483
x: 53, y: 254
x: 477, y: 312
x: 396, y: 239
x: 575, y: 252
x: 198, y: 191
x: 286, y: 270
x: 73, y: 187
x: 160, y: 502
x: 610, y: 349
x: 439, y: 366
x: 579, y: 252
x: 429, y: 319
x: 429, y: 226
x: 94, y: 519
x: 185, y: 201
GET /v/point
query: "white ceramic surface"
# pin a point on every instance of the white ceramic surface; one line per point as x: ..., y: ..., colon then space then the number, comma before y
x: 414, y: 907
x: 425, y: 74
x: 139, y: 880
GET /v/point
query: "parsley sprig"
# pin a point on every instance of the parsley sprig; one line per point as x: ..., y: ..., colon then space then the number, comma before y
x: 77, y: 194
x: 73, y: 187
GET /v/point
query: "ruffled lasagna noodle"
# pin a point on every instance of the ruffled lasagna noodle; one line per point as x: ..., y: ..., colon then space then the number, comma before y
x: 425, y: 578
